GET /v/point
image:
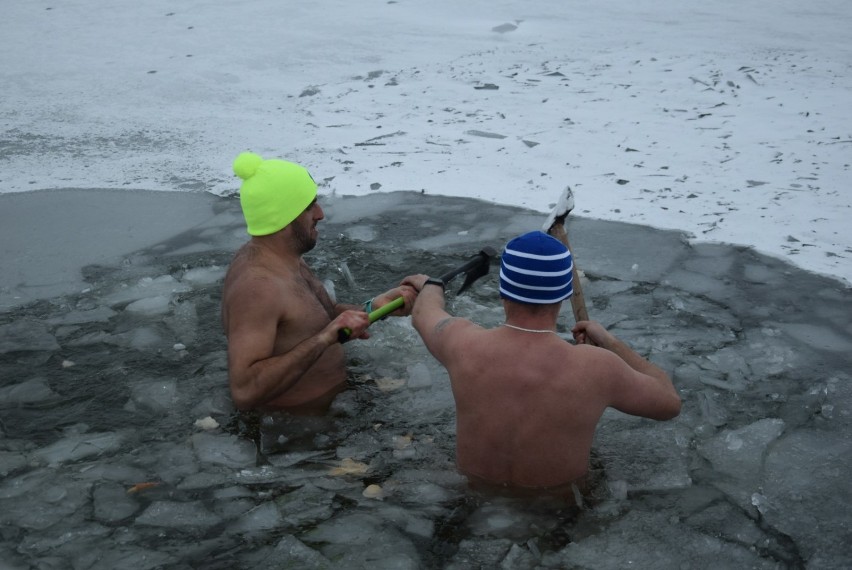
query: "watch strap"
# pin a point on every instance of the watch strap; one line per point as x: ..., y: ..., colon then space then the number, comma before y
x: 435, y: 281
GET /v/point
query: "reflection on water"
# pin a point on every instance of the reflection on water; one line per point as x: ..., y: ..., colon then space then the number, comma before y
x: 120, y: 448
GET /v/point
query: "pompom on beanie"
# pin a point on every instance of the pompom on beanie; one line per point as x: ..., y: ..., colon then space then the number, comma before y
x: 536, y: 269
x: 274, y: 192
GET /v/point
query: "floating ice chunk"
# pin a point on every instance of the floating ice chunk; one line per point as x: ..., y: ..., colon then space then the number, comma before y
x: 354, y: 529
x: 203, y: 275
x: 419, y: 376
x: 448, y: 479
x: 39, y: 500
x: 219, y: 404
x: 224, y: 449
x: 98, y: 337
x: 484, y: 553
x: 818, y: 337
x: 144, y: 339
x: 808, y: 491
x: 306, y: 506
x: 150, y: 306
x: 726, y: 520
x: 617, y: 489
x: 642, y: 539
x: 519, y: 557
x: 11, y: 461
x: 263, y: 517
x: 712, y: 409
x: 647, y: 457
x: 344, y: 270
x: 765, y: 350
x: 234, y: 508
x: 507, y: 519
x: 234, y: 492
x: 424, y: 493
x: 165, y: 285
x: 699, y: 284
x: 289, y: 553
x: 412, y: 521
x: 99, y: 314
x: 171, y: 462
x: 345, y: 404
x: 124, y: 557
x: 80, y: 446
x: 207, y: 423
x: 172, y: 514
x: 361, y: 233
x: 24, y: 484
x: 112, y: 503
x: 184, y: 321
x: 154, y: 395
x: 363, y: 541
x: 730, y: 361
x: 759, y: 501
x: 32, y: 391
x: 710, y: 259
x: 26, y: 335
x: 738, y: 454
x: 116, y: 472
x: 408, y: 452
x: 761, y: 274
x: 373, y: 492
x: 328, y: 285
x: 14, y: 561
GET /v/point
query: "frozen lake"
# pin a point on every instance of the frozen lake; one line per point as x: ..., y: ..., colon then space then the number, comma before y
x: 120, y: 448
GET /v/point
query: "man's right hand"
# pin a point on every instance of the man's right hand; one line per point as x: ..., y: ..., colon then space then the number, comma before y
x: 356, y: 321
x: 591, y: 332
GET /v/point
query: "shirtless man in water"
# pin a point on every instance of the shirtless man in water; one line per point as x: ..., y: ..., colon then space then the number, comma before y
x: 281, y: 324
x: 527, y: 402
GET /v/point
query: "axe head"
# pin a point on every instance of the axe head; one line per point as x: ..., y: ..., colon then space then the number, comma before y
x: 479, y: 269
x: 563, y: 207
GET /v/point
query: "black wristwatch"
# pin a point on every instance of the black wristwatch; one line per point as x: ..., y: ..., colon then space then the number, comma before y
x: 435, y: 281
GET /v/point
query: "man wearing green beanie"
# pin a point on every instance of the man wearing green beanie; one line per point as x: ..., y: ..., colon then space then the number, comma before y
x: 282, y: 326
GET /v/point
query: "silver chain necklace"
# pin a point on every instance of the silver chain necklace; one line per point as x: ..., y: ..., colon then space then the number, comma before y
x: 529, y: 330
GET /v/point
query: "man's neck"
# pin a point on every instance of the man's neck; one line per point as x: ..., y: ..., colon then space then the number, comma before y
x: 532, y: 318
x: 277, y: 246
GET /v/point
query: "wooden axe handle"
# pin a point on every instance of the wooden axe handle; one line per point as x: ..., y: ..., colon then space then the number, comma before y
x: 578, y: 302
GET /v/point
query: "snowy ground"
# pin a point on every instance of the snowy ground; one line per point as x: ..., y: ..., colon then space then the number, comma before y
x: 726, y: 120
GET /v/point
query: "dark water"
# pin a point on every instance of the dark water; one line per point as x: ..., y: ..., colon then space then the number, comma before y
x: 102, y: 383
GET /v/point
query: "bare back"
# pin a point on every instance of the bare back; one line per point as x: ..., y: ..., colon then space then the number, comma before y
x: 268, y: 309
x: 527, y: 404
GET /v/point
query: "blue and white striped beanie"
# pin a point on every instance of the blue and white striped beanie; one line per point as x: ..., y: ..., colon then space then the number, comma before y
x: 536, y: 269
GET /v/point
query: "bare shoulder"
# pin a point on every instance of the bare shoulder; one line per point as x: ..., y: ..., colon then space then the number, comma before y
x: 450, y: 335
x: 457, y: 323
x: 597, y: 361
x: 245, y: 278
x: 627, y: 389
x: 252, y: 286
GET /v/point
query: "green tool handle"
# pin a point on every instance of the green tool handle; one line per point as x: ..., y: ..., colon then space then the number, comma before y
x: 383, y: 311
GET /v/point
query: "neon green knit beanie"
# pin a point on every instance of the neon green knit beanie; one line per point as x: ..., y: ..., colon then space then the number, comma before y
x: 274, y: 192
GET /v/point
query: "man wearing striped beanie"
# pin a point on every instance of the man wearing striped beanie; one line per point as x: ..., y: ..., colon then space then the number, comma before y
x: 536, y: 269
x: 527, y: 401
